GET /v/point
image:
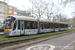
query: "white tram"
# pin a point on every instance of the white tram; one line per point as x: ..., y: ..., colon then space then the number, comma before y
x: 22, y: 25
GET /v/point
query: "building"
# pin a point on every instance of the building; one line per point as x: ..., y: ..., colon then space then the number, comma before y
x: 3, y: 11
x: 20, y: 13
x: 11, y: 10
x: 6, y: 10
x: 23, y: 13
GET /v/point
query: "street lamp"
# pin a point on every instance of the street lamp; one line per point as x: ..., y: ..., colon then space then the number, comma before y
x: 53, y: 23
x: 32, y: 8
x: 4, y: 10
x: 58, y: 25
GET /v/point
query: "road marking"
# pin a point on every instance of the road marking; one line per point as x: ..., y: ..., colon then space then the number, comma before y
x: 41, y: 47
x: 68, y: 45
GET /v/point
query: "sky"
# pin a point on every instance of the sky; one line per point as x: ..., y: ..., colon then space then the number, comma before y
x: 26, y: 4
x: 20, y: 4
x: 69, y: 9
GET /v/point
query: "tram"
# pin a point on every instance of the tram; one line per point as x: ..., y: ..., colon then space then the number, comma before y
x: 23, y: 25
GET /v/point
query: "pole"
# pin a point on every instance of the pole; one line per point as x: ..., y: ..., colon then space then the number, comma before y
x: 4, y: 10
x: 58, y: 25
x: 32, y: 8
x: 38, y: 25
x: 53, y: 24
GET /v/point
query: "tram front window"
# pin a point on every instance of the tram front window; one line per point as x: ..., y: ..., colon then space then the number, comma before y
x: 9, y: 22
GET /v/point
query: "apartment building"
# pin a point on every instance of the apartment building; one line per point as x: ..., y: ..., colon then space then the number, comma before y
x: 6, y: 10
x: 23, y: 13
x: 11, y: 10
x: 3, y: 11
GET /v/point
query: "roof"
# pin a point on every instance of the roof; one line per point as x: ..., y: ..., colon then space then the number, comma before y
x: 31, y: 18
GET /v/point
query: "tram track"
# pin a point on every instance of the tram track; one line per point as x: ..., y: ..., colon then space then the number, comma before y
x: 29, y: 39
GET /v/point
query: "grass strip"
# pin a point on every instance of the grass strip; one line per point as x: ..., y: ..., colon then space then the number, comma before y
x: 7, y: 39
x: 33, y: 36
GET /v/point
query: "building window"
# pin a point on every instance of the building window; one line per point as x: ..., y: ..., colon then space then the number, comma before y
x: 10, y: 7
x: 10, y: 11
x: 1, y: 4
x: 15, y: 12
x: 0, y: 17
x: 0, y: 12
x: 0, y: 8
x: 15, y: 9
x: 5, y: 9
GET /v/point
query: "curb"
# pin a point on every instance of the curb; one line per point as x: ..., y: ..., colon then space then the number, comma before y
x: 26, y: 44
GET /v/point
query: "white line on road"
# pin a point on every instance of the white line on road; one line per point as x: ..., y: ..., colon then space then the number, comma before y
x: 68, y: 45
x: 41, y: 47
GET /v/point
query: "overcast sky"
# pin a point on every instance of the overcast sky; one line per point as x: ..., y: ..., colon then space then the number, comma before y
x: 25, y: 4
x: 20, y: 4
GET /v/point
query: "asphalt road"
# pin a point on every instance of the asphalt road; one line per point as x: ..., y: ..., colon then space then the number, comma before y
x: 66, y: 42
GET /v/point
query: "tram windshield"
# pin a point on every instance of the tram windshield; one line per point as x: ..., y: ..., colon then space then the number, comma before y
x: 9, y: 22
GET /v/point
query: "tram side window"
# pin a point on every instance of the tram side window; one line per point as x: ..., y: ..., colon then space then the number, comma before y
x: 66, y: 26
x: 18, y: 24
x: 47, y: 25
x: 56, y: 25
x: 25, y: 25
x: 61, y: 26
x: 14, y: 26
x: 52, y: 25
x: 31, y: 25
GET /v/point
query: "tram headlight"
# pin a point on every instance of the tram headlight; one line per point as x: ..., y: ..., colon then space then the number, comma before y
x: 10, y: 30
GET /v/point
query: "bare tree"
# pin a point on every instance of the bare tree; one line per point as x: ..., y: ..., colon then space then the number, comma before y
x: 65, y: 2
x: 50, y: 13
x: 39, y: 7
x: 59, y: 7
x: 73, y: 21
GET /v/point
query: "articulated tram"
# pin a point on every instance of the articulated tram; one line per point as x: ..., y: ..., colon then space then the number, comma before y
x: 22, y: 25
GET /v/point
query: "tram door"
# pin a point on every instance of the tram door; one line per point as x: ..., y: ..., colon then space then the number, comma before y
x: 42, y: 28
x: 22, y: 27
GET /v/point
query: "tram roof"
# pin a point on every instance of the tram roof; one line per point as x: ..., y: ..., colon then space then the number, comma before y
x: 26, y: 17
